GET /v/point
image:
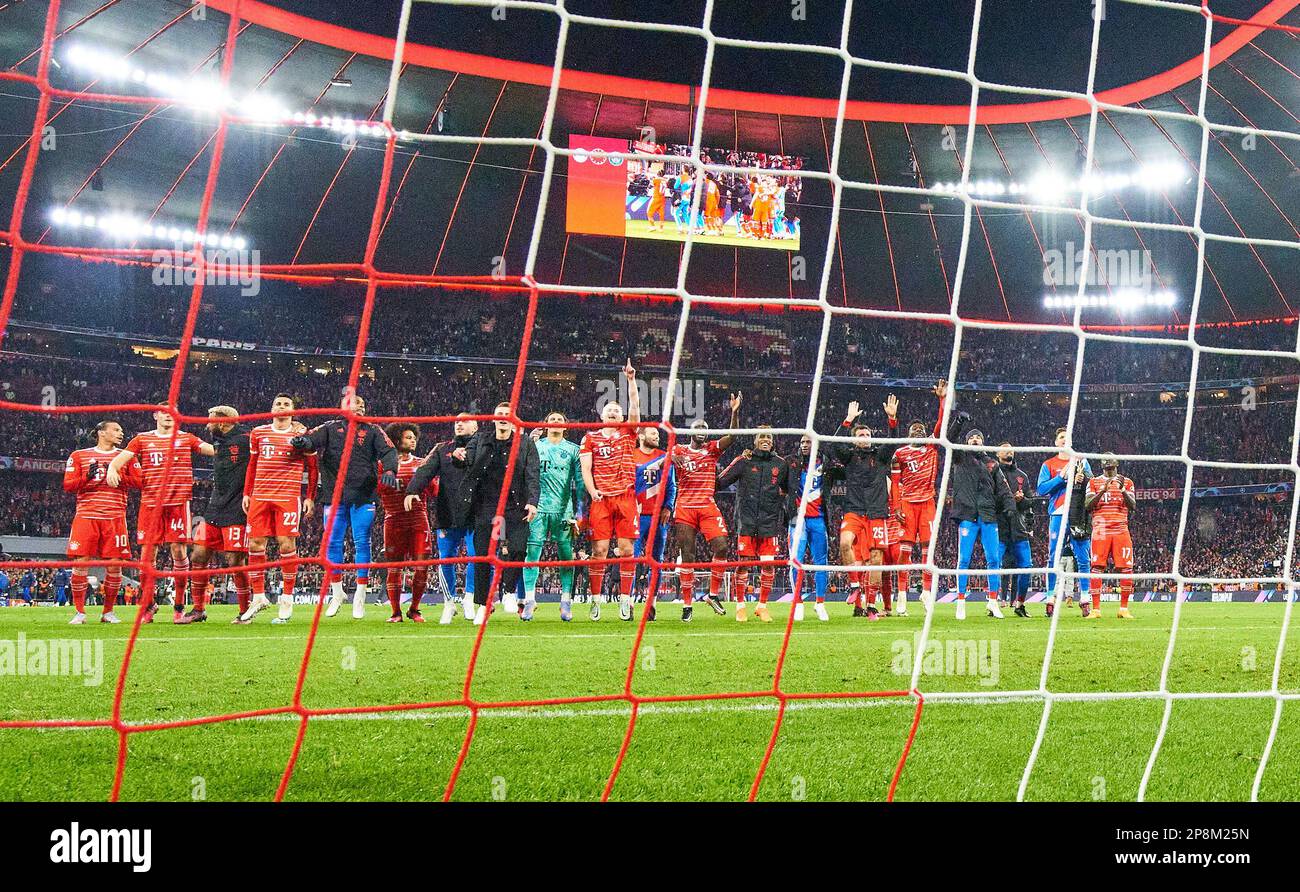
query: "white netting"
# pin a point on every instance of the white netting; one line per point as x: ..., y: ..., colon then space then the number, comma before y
x: 837, y: 184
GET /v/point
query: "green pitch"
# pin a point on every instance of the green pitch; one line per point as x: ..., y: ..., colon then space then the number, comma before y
x: 844, y: 749
x: 641, y: 229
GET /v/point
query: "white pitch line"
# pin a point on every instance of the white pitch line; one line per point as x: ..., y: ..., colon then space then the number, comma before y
x: 875, y: 630
x: 459, y: 712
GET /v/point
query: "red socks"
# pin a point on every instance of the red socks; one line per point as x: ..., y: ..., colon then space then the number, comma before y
x: 257, y: 578
x: 79, y: 590
x: 289, y: 572
x: 112, y: 582
x: 419, y: 581
x: 393, y: 582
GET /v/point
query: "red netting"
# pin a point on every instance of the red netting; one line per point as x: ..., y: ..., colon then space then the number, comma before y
x: 373, y: 278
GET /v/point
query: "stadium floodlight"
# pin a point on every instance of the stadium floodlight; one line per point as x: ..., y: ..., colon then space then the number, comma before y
x: 207, y: 96
x: 1123, y: 300
x: 125, y: 226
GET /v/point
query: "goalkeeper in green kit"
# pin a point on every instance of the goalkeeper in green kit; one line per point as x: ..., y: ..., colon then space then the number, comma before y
x: 555, y: 519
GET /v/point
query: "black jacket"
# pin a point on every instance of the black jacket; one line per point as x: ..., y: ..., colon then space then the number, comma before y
x: 450, y: 473
x: 760, y: 493
x: 370, y: 449
x: 1016, y: 525
x: 1080, y: 517
x: 979, y: 488
x: 866, y: 476
x: 486, y: 459
x: 229, y: 465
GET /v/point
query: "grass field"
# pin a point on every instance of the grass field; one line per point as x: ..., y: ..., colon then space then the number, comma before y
x: 827, y: 750
x: 641, y: 229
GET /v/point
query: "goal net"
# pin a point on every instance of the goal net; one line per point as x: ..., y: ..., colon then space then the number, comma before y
x: 1185, y: 372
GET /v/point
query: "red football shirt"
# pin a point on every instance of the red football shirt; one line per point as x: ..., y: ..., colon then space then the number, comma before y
x: 274, y: 467
x: 612, y: 464
x: 152, y: 449
x: 697, y: 473
x: 1110, y: 511
x: 98, y: 500
x: 394, y: 500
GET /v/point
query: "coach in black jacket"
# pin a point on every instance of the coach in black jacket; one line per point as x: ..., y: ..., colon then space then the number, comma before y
x: 1015, y: 528
x: 980, y: 496
x: 487, y: 456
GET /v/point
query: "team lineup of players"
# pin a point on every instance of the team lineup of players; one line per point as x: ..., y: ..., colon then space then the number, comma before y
x: 888, y: 515
x: 758, y: 204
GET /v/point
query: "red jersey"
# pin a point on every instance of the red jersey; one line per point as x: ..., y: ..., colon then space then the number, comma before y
x: 612, y: 464
x: 895, y: 503
x: 98, y: 500
x: 1110, y: 511
x: 394, y: 501
x: 151, y: 449
x: 917, y: 468
x: 275, y: 468
x: 697, y: 473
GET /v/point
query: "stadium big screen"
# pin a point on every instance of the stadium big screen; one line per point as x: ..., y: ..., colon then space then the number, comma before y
x: 620, y: 188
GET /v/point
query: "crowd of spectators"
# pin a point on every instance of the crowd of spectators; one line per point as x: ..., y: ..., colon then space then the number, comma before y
x: 454, y: 352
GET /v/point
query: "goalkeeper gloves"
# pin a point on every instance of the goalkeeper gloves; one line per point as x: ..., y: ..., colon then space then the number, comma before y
x: 94, y: 472
x: 303, y: 443
x: 389, y: 480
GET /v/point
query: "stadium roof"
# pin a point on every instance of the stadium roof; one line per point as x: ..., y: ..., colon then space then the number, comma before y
x: 304, y: 196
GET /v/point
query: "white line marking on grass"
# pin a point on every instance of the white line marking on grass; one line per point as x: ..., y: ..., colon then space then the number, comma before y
x: 875, y: 630
x: 758, y: 704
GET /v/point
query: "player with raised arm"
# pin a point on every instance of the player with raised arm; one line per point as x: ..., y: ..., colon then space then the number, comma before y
x: 558, y: 465
x: 373, y: 459
x: 99, y: 524
x: 165, y: 499
x: 1111, y: 497
x: 654, y: 473
x: 274, y: 503
x: 444, y: 469
x: 814, y: 525
x: 225, y: 528
x: 918, y: 466
x: 761, y: 478
x: 980, y: 496
x: 696, y: 513
x: 407, y: 535
x: 1053, y: 477
x: 608, y: 473
x: 864, y: 529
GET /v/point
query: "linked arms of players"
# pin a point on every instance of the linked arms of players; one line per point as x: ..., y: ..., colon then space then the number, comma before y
x: 113, y: 477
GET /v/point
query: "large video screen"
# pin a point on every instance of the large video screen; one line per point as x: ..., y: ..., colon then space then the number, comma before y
x: 645, y: 198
